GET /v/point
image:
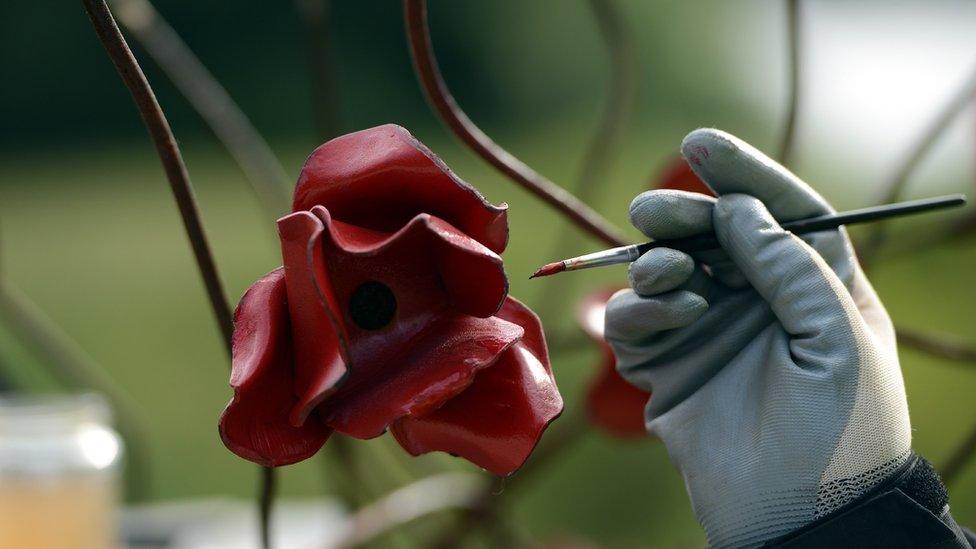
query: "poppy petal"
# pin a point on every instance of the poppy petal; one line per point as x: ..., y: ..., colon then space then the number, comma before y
x: 515, y: 311
x: 382, y: 177
x: 678, y: 175
x: 472, y: 274
x: 319, y: 338
x: 439, y: 365
x: 611, y: 403
x: 255, y: 423
x: 591, y: 312
x: 496, y: 422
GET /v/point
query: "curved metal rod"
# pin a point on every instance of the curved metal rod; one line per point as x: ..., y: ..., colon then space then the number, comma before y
x: 72, y: 367
x: 421, y: 498
x: 892, y: 188
x: 599, y: 155
x: 269, y: 488
x: 169, y: 153
x: 946, y: 349
x: 621, y: 88
x: 793, y: 93
x: 440, y: 98
x: 485, y: 513
x: 211, y: 101
x: 315, y: 16
x: 959, y: 459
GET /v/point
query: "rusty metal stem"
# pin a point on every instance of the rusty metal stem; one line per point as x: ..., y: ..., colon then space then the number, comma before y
x: 211, y: 101
x: 72, y: 367
x: 351, y: 484
x: 486, y: 513
x: 793, y: 92
x: 599, y: 156
x: 891, y: 191
x: 892, y: 188
x: 941, y: 348
x: 441, y: 100
x: 621, y: 90
x: 429, y: 495
x: 266, y: 503
x: 315, y: 16
x: 959, y: 459
x: 169, y: 153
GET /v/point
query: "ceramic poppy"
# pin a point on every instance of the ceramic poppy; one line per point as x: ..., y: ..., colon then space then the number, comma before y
x: 677, y: 174
x: 611, y: 403
x: 391, y: 312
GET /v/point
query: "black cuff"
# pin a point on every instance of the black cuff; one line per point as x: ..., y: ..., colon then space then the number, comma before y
x: 909, y: 509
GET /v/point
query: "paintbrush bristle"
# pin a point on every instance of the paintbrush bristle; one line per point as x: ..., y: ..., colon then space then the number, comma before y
x: 549, y: 269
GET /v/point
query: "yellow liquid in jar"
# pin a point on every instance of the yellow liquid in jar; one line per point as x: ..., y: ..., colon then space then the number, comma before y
x: 71, y: 512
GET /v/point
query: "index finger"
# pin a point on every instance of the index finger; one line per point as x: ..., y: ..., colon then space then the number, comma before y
x: 730, y: 165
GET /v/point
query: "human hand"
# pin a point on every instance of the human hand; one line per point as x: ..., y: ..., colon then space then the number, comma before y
x: 773, y: 365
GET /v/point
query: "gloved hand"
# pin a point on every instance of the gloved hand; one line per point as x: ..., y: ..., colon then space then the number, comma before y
x: 775, y: 379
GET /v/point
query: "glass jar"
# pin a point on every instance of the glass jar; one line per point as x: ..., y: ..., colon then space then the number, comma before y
x: 59, y: 472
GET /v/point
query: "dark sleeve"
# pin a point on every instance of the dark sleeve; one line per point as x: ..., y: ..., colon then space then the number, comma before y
x: 909, y: 509
x: 970, y: 536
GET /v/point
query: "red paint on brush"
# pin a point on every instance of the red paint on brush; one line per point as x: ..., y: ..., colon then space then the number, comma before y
x: 549, y: 269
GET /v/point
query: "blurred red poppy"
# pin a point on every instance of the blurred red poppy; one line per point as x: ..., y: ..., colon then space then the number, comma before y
x: 611, y: 403
x: 391, y: 311
x: 677, y: 174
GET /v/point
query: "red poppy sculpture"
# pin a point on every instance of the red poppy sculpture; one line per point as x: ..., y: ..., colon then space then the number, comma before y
x: 678, y: 175
x: 612, y: 404
x: 391, y: 312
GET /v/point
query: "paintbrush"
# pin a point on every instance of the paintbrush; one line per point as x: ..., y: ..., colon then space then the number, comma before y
x: 708, y: 241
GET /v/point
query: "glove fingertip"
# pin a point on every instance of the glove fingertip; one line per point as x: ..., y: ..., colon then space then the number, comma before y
x: 630, y: 316
x: 660, y: 270
x: 669, y: 213
x: 701, y: 144
x: 730, y: 165
x: 699, y: 305
x: 737, y: 215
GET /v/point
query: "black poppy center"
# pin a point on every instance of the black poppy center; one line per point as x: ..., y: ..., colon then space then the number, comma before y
x: 372, y: 305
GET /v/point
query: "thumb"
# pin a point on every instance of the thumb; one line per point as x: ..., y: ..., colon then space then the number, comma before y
x: 804, y: 293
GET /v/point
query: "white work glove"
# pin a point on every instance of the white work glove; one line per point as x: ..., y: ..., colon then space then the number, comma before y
x: 775, y: 379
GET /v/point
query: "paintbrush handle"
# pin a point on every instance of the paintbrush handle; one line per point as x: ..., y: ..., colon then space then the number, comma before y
x: 820, y: 223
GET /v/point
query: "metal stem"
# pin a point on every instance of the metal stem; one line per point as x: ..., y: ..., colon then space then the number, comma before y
x: 440, y: 98
x: 169, y: 153
x: 229, y: 123
x: 786, y: 146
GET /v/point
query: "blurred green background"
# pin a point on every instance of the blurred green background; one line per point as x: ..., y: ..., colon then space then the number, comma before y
x: 90, y: 231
